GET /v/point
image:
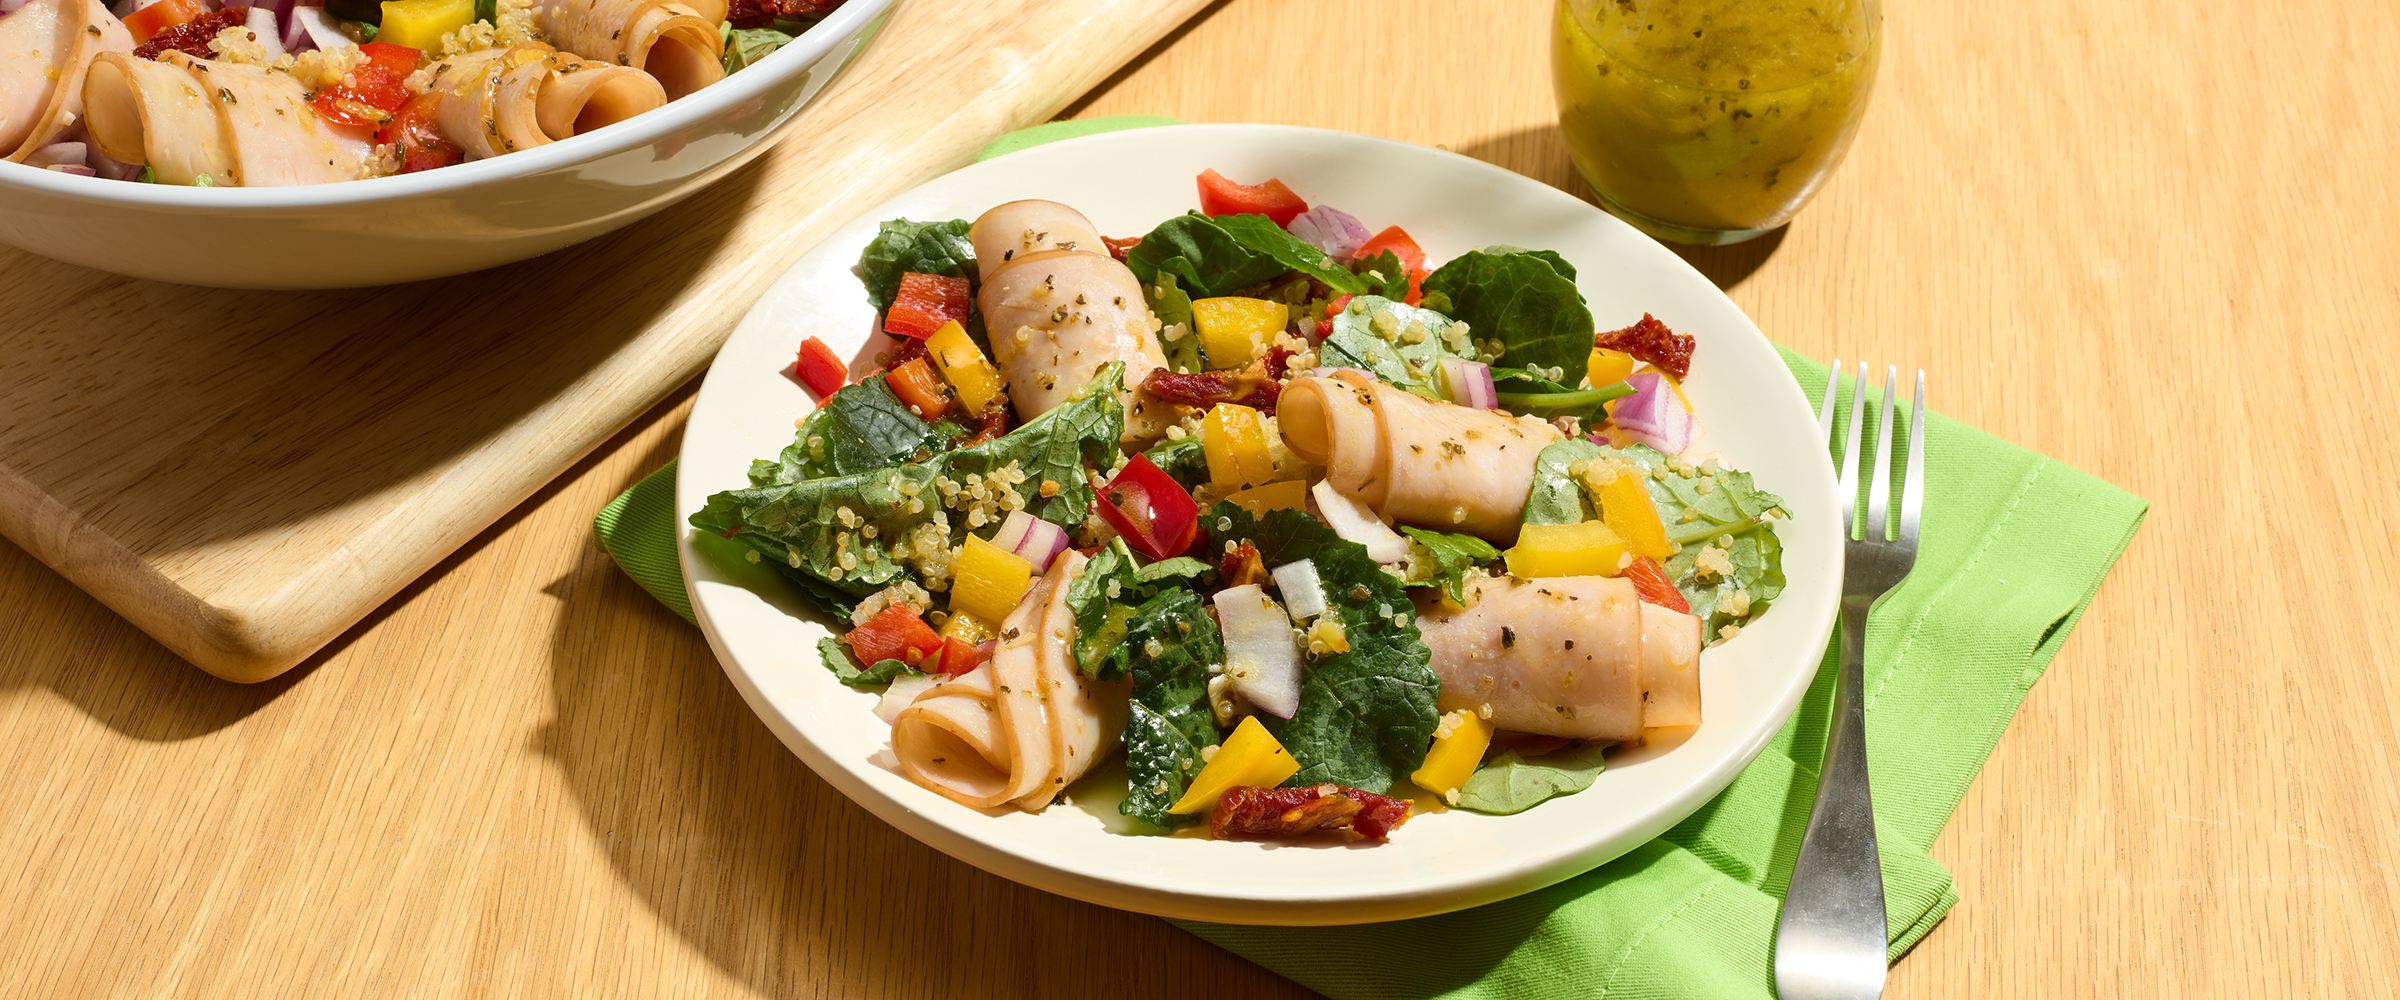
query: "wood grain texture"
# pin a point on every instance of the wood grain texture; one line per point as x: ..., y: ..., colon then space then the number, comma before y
x: 2149, y: 239
x: 244, y: 475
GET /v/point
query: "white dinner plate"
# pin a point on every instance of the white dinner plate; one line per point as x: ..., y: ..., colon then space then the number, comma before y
x: 1127, y: 182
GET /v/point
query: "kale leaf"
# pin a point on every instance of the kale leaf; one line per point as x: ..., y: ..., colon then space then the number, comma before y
x: 1509, y: 783
x: 901, y: 246
x: 1524, y: 302
x: 1183, y: 459
x: 1366, y: 715
x: 1169, y: 720
x: 861, y: 427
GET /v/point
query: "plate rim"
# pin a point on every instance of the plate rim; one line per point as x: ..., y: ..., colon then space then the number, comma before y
x: 1218, y: 903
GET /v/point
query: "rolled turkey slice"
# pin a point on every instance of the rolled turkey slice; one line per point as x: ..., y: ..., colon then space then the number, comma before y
x: 1055, y: 317
x: 501, y: 100
x: 1415, y: 460
x: 1012, y: 230
x: 1578, y: 657
x: 1023, y: 726
x: 160, y: 114
x: 672, y: 41
x: 278, y: 140
x: 46, y: 48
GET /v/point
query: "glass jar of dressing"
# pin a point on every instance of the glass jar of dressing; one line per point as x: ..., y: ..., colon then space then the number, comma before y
x: 1711, y: 121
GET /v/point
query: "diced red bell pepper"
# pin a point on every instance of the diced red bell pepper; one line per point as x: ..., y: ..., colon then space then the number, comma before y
x: 1219, y: 196
x: 1150, y: 509
x: 1651, y: 585
x: 953, y: 659
x: 895, y: 633
x: 1412, y: 257
x: 920, y: 389
x: 400, y: 59
x: 373, y: 97
x: 416, y: 133
x: 821, y: 370
x: 924, y: 303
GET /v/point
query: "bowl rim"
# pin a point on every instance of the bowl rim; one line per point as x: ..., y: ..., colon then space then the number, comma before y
x: 642, y: 130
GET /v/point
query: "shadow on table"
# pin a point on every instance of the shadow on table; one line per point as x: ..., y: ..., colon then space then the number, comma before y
x: 782, y: 882
x: 1541, y: 153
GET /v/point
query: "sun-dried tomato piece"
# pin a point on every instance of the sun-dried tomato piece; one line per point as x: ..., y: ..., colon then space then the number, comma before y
x: 993, y: 421
x: 1243, y: 567
x: 1251, y: 387
x: 191, y: 37
x: 1293, y: 812
x: 1118, y: 248
x: 1651, y: 341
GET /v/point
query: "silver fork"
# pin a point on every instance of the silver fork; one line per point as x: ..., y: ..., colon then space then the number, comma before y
x: 1830, y: 942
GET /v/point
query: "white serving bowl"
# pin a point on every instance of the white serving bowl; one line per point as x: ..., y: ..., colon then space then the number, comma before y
x: 438, y: 222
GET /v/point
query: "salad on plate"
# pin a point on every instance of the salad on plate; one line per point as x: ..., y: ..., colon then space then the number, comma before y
x: 1317, y: 533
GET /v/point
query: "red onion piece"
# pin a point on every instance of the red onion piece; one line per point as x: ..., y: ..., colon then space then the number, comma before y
x: 1330, y: 229
x: 10, y: 6
x: 77, y: 169
x: 59, y: 154
x: 1032, y: 539
x: 1653, y: 414
x: 1469, y: 383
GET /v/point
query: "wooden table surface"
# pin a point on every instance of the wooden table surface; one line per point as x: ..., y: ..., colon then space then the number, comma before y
x: 2149, y: 239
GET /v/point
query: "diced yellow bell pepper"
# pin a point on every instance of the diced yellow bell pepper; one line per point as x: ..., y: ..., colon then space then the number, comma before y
x: 988, y: 580
x: 1626, y: 508
x: 1290, y: 494
x: 1457, y: 750
x: 1609, y: 367
x: 1250, y: 758
x: 1234, y: 330
x: 967, y: 628
x: 964, y: 365
x: 1586, y: 549
x: 1235, y: 443
x: 420, y: 24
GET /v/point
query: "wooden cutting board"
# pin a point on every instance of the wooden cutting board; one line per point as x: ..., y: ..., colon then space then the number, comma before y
x: 246, y: 474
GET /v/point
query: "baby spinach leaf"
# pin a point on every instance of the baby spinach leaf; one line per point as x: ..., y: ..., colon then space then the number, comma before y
x: 1262, y: 234
x: 1384, y: 274
x: 1450, y: 556
x: 1509, y: 783
x: 847, y: 670
x: 1400, y: 344
x: 1169, y: 721
x: 1205, y: 259
x: 1521, y: 300
x: 1178, y: 338
x: 901, y: 246
x: 1367, y: 715
x: 746, y: 46
x: 1557, y: 496
x: 1726, y: 511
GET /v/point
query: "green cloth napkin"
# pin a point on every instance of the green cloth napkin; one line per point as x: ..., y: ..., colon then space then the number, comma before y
x: 2014, y: 545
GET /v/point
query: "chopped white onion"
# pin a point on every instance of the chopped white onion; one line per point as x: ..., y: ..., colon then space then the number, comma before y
x: 1352, y: 519
x: 1469, y: 383
x: 1654, y: 415
x: 1262, y: 658
x: 1303, y: 591
x: 905, y: 689
x: 320, y: 27
x: 1032, y: 539
x: 261, y: 22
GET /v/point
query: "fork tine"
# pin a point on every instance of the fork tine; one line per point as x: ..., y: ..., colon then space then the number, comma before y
x: 1833, y: 382
x: 1858, y: 413
x: 1879, y: 495
x: 1912, y: 489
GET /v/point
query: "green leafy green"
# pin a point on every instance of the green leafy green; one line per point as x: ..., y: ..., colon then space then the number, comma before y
x: 1557, y: 496
x: 1524, y: 302
x: 1400, y: 344
x: 814, y: 525
x: 861, y: 427
x: 1384, y: 275
x: 847, y: 670
x: 1366, y: 715
x: 1447, y: 558
x: 1723, y: 510
x: 1101, y: 599
x: 1205, y: 259
x: 1584, y: 403
x: 1557, y: 262
x: 487, y: 11
x: 1509, y: 783
x: 901, y: 246
x: 1182, y: 459
x: 744, y: 47
x: 1169, y: 721
x: 1177, y: 335
x: 1178, y: 568
x: 1262, y: 234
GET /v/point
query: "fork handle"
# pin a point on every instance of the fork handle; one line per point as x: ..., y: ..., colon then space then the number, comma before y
x: 1835, y: 903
